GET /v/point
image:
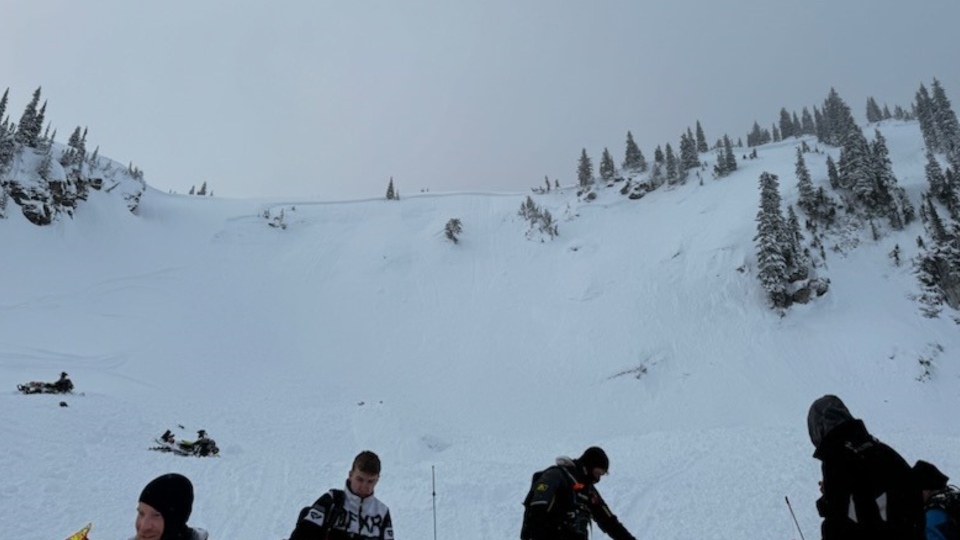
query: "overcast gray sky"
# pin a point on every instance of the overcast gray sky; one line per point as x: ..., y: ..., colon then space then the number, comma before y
x: 312, y: 98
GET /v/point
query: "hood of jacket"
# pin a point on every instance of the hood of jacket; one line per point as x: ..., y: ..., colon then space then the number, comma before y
x: 825, y: 415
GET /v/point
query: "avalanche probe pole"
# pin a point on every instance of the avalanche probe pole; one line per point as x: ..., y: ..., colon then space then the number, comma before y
x: 433, y: 477
x: 797, y: 523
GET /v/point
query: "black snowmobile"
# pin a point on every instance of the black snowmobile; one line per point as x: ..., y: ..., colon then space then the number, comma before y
x: 202, y: 447
x: 63, y: 386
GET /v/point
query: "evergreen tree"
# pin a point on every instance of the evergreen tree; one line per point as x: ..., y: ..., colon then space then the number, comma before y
x: 452, y: 230
x: 940, y: 189
x: 391, y: 192
x: 771, y: 262
x: 729, y: 159
x: 854, y: 166
x: 887, y: 115
x: 945, y: 119
x: 832, y: 173
x: 607, y: 169
x: 837, y: 119
x: 807, y: 127
x: 656, y: 175
x: 820, y: 124
x: 797, y: 128
x: 585, y: 170
x: 7, y: 144
x: 800, y: 260
x: 658, y: 157
x: 776, y: 134
x: 45, y: 165
x: 726, y: 161
x: 926, y: 115
x: 3, y: 107
x: 633, y: 160
x: 27, y: 131
x: 808, y: 195
x: 203, y: 189
x: 701, y: 140
x: 885, y: 182
x: 874, y: 114
x: 688, y: 152
x: 755, y: 137
x: 786, y: 125
x: 673, y: 168
x: 38, y: 122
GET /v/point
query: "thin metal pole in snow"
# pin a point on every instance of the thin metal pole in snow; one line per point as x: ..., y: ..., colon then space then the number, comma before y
x: 797, y: 523
x: 433, y: 476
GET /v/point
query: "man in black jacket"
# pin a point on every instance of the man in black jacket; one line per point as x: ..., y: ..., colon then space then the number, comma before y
x: 868, y: 490
x: 563, y: 499
x: 348, y: 514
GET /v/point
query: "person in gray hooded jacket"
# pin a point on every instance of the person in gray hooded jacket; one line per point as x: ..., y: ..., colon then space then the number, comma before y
x: 868, y: 489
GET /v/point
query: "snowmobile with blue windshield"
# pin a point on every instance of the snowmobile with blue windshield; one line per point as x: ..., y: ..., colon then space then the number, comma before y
x: 204, y: 446
x: 63, y: 386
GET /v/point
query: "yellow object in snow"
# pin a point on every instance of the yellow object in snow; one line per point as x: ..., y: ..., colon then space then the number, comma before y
x: 81, y: 534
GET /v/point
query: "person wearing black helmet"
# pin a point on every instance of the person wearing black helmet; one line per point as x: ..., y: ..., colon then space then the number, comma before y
x: 63, y: 384
x: 868, y: 488
x: 563, y: 499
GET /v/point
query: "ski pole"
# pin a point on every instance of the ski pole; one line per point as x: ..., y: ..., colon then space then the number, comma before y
x: 795, y: 522
x: 433, y: 477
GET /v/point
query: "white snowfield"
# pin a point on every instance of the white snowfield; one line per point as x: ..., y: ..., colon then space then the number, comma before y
x: 642, y: 328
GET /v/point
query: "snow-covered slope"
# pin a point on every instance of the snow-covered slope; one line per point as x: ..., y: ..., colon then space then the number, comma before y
x: 641, y: 328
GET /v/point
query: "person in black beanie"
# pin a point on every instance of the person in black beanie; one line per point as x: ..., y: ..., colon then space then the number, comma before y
x: 164, y: 508
x: 941, y: 503
x: 563, y: 499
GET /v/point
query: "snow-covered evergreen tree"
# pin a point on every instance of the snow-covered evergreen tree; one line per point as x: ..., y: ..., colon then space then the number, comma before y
x: 726, y: 160
x: 874, y: 114
x: 701, y: 139
x: 688, y: 152
x: 3, y: 107
x: 926, y: 115
x: 633, y: 160
x: 585, y: 170
x: 854, y: 165
x: 607, y: 168
x: 885, y: 183
x: 939, y: 188
x: 27, y: 130
x: 808, y: 195
x: 673, y: 168
x: 807, y: 127
x: 786, y: 125
x: 837, y: 120
x: 832, y: 175
x: 948, y: 129
x: 771, y: 263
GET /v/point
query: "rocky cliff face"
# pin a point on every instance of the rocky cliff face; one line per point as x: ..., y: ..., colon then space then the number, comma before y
x: 45, y: 190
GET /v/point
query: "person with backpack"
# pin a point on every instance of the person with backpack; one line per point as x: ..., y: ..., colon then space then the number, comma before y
x: 941, y: 503
x: 868, y: 488
x: 563, y: 499
x: 348, y: 514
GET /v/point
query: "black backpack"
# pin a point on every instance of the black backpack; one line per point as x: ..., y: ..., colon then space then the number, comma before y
x: 526, y: 501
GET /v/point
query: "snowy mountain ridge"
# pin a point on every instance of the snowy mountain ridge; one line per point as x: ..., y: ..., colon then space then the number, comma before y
x: 641, y: 326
